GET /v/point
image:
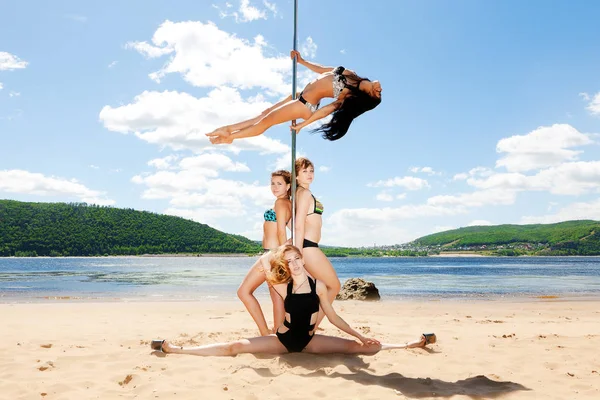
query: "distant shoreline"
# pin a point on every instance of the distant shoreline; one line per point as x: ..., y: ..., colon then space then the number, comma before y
x: 228, y: 255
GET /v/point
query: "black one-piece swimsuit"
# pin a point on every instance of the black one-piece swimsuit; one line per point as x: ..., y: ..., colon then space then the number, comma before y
x: 300, y: 307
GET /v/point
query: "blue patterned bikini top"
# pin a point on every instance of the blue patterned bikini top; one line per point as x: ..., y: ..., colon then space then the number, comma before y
x: 270, y: 215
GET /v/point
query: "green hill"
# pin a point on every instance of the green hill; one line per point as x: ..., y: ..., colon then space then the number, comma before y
x: 564, y: 238
x: 60, y: 229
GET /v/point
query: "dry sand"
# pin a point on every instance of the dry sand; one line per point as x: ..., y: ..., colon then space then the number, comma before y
x: 540, y: 349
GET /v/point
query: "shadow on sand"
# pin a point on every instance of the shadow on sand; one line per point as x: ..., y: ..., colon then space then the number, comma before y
x: 477, y: 387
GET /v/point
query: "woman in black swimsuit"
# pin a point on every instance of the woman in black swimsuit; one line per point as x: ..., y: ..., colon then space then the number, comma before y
x: 353, y: 96
x: 302, y: 296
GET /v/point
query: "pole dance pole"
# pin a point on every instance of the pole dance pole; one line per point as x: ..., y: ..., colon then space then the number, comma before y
x: 293, y: 171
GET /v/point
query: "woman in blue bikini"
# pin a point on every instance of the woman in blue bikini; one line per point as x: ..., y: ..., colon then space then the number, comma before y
x: 352, y: 96
x: 274, y: 235
x: 302, y: 295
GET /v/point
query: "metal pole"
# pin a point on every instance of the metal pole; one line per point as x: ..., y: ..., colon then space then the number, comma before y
x: 293, y: 170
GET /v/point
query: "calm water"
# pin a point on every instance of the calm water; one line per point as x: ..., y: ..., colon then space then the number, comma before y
x: 183, y: 278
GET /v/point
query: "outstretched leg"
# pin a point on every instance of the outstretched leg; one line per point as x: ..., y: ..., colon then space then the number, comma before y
x: 291, y: 110
x: 317, y: 264
x: 262, y: 344
x: 322, y: 344
x: 227, y: 129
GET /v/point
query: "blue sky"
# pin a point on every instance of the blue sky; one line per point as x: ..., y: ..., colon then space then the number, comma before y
x: 490, y: 112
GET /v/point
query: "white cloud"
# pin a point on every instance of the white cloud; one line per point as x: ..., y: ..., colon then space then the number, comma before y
x: 401, y: 196
x: 474, y: 199
x: 12, y: 93
x: 147, y: 50
x: 594, y: 106
x: 194, y: 190
x: 92, y: 166
x: 250, y: 13
x: 343, y: 51
x: 213, y: 162
x: 424, y: 170
x: 384, y: 196
x: 163, y: 163
x: 585, y: 96
x: 208, y: 57
x: 354, y: 227
x: 474, y: 172
x: 324, y: 168
x: 573, y: 178
x: 543, y: 147
x: 246, y: 12
x: 407, y: 182
x: 25, y: 182
x: 574, y: 211
x: 180, y: 121
x: 285, y: 160
x: 9, y: 62
x: 271, y: 7
x: 309, y: 48
x: 1, y: 86
x: 479, y: 222
x: 112, y: 64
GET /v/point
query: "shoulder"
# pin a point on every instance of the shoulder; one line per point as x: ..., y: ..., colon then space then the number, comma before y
x: 280, y: 203
x: 302, y: 193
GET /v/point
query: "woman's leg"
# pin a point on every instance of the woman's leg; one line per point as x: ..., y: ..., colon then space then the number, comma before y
x: 291, y: 110
x: 227, y: 129
x: 319, y: 267
x: 262, y: 344
x: 254, y: 278
x: 322, y: 344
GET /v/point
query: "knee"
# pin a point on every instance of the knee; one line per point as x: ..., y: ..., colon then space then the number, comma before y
x: 336, y: 286
x: 235, y: 348
x: 243, y: 294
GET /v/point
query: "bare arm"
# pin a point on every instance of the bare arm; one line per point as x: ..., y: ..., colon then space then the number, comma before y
x: 282, y: 213
x: 302, y: 204
x: 317, y: 115
x: 319, y: 69
x: 336, y: 319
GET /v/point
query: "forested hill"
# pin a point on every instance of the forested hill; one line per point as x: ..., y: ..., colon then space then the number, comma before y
x: 564, y: 238
x: 60, y: 229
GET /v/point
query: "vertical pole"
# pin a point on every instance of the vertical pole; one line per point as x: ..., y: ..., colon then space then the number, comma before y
x: 293, y: 170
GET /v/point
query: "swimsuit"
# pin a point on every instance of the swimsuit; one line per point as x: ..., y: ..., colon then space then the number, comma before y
x: 270, y: 215
x: 317, y: 209
x: 311, y: 107
x: 300, y: 307
x: 339, y: 83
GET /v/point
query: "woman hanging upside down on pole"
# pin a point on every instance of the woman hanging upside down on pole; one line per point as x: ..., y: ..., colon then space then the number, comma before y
x: 353, y: 96
x: 302, y: 296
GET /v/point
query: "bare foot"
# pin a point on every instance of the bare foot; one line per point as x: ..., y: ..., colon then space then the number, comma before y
x: 221, y: 139
x: 168, y: 347
x: 222, y: 131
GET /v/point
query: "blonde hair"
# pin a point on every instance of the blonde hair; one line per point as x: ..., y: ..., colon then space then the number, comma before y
x: 280, y: 270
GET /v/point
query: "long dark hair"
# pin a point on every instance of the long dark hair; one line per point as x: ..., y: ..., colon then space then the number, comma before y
x: 354, y: 104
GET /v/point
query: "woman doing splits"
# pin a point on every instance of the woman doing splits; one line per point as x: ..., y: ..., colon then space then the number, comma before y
x: 302, y: 296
